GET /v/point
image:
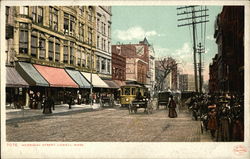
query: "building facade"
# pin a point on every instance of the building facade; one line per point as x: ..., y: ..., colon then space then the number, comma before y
x: 229, y: 62
x: 137, y: 61
x: 103, y: 41
x: 186, y: 83
x: 54, y: 36
x: 118, y: 66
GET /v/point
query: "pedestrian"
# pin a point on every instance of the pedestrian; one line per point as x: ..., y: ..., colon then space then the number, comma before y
x: 47, y: 105
x: 172, y: 105
x: 70, y: 100
x: 212, y: 120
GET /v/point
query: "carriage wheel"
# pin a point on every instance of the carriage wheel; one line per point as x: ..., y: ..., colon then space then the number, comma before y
x: 201, y: 128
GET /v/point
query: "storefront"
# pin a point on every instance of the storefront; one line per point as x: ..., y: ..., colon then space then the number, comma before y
x: 16, y: 88
x: 36, y: 82
x: 82, y: 95
x: 60, y: 83
x: 99, y: 86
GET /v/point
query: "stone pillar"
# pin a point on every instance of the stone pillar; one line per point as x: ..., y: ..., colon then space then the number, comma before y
x: 46, y: 49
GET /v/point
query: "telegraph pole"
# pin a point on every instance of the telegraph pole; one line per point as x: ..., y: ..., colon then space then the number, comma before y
x: 191, y: 15
x: 200, y: 50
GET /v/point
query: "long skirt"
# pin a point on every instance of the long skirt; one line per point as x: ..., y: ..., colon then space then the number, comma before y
x: 224, y: 129
x: 238, y: 131
x: 172, y: 113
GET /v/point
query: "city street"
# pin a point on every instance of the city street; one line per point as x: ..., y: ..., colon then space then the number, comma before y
x: 110, y: 125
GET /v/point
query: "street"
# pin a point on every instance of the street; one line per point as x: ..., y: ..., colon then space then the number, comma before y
x: 110, y: 125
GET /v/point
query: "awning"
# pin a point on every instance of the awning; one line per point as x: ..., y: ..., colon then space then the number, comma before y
x: 30, y: 74
x: 78, y: 78
x: 96, y: 80
x: 57, y: 77
x: 120, y: 83
x: 111, y: 84
x: 13, y: 78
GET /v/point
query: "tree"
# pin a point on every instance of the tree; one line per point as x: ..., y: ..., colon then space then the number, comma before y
x: 163, y: 67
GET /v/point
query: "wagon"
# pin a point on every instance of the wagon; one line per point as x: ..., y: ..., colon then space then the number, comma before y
x: 140, y: 103
x: 107, y: 102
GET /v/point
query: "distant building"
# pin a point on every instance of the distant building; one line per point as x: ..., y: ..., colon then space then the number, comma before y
x: 118, y: 66
x: 137, y: 60
x: 186, y: 82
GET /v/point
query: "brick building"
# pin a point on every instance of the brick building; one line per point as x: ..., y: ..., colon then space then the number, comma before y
x: 118, y: 66
x: 137, y: 60
x: 229, y: 62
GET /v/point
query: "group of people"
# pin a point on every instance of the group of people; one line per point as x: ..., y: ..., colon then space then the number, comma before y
x: 222, y: 115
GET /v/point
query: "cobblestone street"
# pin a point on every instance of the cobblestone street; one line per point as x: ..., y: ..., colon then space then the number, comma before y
x: 109, y: 125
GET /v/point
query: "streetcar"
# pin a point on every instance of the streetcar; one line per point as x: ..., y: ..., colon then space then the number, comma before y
x: 128, y: 93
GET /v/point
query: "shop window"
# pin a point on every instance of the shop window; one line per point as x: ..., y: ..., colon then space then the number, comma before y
x: 23, y: 38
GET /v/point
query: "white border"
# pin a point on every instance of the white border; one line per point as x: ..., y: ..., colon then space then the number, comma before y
x: 127, y: 149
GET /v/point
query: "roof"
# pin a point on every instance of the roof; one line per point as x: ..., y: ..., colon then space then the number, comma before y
x: 57, y: 77
x: 30, y: 74
x: 78, y: 78
x: 96, y: 80
x: 13, y: 78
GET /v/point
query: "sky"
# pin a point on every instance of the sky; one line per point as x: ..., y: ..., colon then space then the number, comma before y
x: 130, y: 24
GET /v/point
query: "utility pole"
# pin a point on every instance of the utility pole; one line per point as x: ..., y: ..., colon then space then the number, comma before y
x: 200, y: 50
x: 190, y: 12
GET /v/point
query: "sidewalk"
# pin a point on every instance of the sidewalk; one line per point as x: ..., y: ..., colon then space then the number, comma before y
x: 13, y: 115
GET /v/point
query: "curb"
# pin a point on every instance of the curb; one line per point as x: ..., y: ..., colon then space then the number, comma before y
x: 43, y: 116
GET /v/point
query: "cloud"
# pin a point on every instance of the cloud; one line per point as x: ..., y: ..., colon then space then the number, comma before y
x: 136, y: 33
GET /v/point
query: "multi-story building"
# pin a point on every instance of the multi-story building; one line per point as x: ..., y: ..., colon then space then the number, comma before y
x: 54, y: 48
x: 103, y: 39
x: 151, y: 72
x: 118, y: 66
x: 186, y: 83
x: 137, y: 60
x: 229, y: 62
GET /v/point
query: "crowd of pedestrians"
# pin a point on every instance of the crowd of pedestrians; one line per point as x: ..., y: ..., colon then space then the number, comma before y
x: 222, y: 115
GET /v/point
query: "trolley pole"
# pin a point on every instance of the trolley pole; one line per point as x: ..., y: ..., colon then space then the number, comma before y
x: 190, y: 12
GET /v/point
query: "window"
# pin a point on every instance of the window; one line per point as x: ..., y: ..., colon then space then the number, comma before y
x: 42, y: 48
x: 34, y: 46
x: 83, y: 59
x: 81, y: 32
x: 40, y: 15
x: 51, y: 50
x: 69, y: 24
x: 79, y: 57
x: 23, y: 38
x: 90, y: 15
x: 7, y: 12
x: 97, y: 63
x: 88, y: 61
x: 108, y: 66
x: 66, y: 23
x: 104, y: 45
x: 109, y: 31
x: 103, y: 63
x: 81, y: 10
x: 53, y: 18
x: 57, y: 58
x: 24, y: 10
x: 72, y: 57
x: 104, y: 29
x: 37, y: 15
x: 98, y: 42
x: 65, y: 53
x: 98, y: 25
x: 127, y: 91
x: 108, y: 47
x: 89, y: 35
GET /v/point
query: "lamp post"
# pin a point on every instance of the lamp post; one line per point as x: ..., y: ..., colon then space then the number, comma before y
x: 91, y: 71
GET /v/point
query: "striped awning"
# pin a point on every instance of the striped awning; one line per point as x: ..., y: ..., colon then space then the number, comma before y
x: 13, y: 78
x: 96, y: 80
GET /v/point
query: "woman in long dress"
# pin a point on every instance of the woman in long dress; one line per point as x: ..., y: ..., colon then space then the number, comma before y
x: 172, y: 105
